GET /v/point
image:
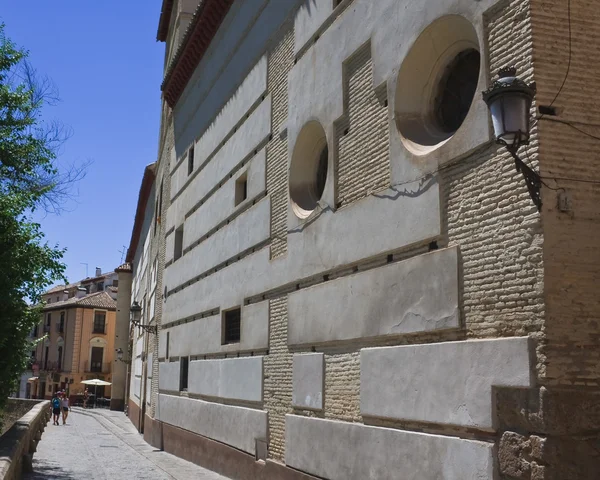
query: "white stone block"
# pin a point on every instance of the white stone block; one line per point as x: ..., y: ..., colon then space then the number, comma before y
x: 221, y: 204
x: 351, y: 451
x: 249, y: 229
x: 235, y: 426
x: 168, y: 376
x: 203, y: 336
x: 415, y: 295
x: 449, y: 382
x: 308, y: 378
x: 231, y: 378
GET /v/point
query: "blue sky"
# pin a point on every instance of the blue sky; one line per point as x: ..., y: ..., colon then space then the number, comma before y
x: 106, y: 63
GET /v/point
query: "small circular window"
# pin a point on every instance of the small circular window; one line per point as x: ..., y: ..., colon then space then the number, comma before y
x: 308, y: 172
x: 437, y: 83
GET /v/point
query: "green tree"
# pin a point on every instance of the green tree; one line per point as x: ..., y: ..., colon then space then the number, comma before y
x: 29, y: 181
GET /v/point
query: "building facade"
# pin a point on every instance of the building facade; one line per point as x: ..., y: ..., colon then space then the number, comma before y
x: 347, y: 276
x: 75, y: 337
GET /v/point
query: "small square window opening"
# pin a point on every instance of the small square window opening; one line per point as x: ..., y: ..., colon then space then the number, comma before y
x: 241, y: 189
x: 178, y: 243
x: 232, y: 320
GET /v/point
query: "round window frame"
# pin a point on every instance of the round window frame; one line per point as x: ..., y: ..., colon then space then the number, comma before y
x: 419, y: 82
x: 304, y: 168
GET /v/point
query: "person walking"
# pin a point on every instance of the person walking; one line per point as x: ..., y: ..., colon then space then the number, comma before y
x: 65, y: 407
x: 86, y: 396
x: 55, y: 402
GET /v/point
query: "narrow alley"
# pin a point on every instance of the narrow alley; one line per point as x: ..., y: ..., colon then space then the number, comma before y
x: 102, y: 444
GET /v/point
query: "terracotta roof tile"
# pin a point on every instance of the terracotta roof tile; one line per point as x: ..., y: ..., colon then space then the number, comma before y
x: 94, y: 300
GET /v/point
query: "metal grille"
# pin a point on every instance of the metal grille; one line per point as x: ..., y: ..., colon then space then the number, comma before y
x: 232, y: 326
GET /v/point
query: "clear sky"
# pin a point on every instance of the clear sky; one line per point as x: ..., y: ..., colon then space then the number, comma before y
x: 106, y: 63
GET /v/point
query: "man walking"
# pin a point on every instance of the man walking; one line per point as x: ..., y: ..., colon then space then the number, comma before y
x: 55, y: 402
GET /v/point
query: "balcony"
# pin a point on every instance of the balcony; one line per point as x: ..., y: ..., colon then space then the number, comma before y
x: 96, y: 367
x: 51, y: 366
x: 99, y: 329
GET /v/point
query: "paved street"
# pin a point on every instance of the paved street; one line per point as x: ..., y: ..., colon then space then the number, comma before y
x: 100, y: 444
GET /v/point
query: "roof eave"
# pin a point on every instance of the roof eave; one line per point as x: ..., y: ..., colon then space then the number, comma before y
x: 202, y: 29
x: 145, y: 189
x: 164, y: 21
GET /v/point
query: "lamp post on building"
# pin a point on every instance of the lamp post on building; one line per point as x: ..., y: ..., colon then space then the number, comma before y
x: 509, y: 100
x: 136, y: 316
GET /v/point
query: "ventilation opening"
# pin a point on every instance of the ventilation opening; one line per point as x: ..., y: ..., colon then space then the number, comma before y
x: 437, y: 83
x: 178, y: 243
x: 308, y: 172
x: 241, y: 189
x: 232, y: 322
x: 184, y: 363
x: 191, y: 160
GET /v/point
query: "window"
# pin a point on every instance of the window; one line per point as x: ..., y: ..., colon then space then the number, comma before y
x: 100, y: 287
x: 48, y: 319
x: 61, y: 326
x: 167, y: 349
x: 308, y: 172
x: 241, y: 189
x: 99, y: 322
x: 115, y: 283
x: 457, y: 89
x: 183, y: 373
x: 158, y: 209
x: 46, y: 358
x: 60, y: 354
x: 232, y: 326
x: 191, y: 160
x: 178, y: 243
x: 436, y: 84
x: 35, y: 331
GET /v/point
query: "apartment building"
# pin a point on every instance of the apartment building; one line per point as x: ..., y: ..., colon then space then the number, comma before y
x: 341, y: 274
x: 76, y: 334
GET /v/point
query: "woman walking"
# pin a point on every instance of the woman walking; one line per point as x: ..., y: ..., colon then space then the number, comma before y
x: 65, y: 407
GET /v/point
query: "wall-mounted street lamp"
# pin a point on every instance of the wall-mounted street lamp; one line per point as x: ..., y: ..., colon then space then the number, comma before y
x: 509, y: 100
x: 136, y: 315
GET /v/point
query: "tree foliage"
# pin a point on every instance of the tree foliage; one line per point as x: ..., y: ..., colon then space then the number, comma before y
x: 29, y: 180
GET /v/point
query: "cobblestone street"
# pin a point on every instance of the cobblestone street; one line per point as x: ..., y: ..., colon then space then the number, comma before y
x: 101, y: 444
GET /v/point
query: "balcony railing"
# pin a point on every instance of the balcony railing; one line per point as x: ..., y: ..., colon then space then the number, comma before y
x: 97, y: 367
x: 101, y: 329
x: 51, y: 366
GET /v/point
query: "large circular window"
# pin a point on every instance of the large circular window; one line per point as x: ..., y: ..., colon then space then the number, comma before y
x: 308, y: 172
x: 437, y: 83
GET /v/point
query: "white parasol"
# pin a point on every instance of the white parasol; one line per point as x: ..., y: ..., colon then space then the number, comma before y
x: 96, y: 382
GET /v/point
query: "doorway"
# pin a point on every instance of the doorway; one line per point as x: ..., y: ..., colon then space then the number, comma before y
x: 96, y: 360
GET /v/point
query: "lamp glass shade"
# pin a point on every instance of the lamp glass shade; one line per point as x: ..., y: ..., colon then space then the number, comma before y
x: 136, y: 313
x: 510, y: 118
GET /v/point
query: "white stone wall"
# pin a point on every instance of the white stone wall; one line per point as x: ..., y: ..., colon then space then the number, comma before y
x: 377, y: 311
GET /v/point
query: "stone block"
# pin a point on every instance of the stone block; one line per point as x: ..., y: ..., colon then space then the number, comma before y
x: 231, y: 378
x: 449, y: 383
x: 235, y: 426
x: 415, y: 295
x: 307, y: 380
x: 350, y: 451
